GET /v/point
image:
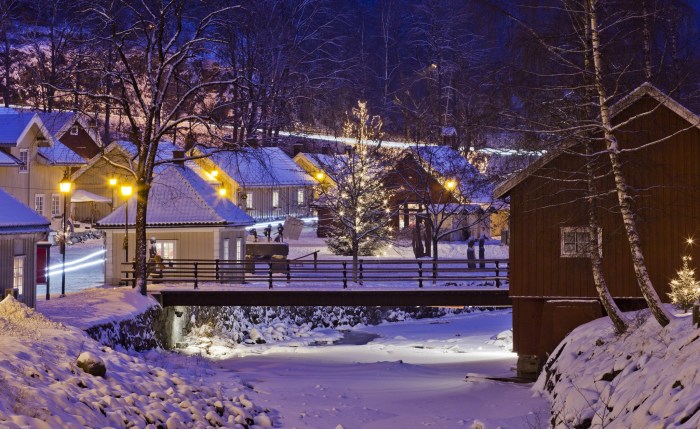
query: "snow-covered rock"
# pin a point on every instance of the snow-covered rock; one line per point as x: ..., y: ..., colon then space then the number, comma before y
x: 647, y: 378
x: 91, y: 364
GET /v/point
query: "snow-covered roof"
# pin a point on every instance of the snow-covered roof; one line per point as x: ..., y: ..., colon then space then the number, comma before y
x: 179, y: 197
x: 321, y: 161
x: 17, y: 218
x: 259, y: 167
x: 61, y: 154
x: 449, y: 164
x: 7, y: 160
x: 14, y: 124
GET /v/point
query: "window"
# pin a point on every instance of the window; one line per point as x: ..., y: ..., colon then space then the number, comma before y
x: 55, y: 204
x: 275, y: 198
x: 239, y: 249
x: 300, y: 197
x: 249, y: 200
x: 166, y: 248
x: 227, y: 244
x: 74, y: 130
x: 575, y: 242
x: 39, y: 203
x: 24, y: 159
x: 18, y: 274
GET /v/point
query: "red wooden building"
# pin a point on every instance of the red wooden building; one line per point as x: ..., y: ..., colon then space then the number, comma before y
x: 551, y: 283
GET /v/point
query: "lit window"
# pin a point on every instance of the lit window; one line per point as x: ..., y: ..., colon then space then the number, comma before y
x: 275, y: 198
x: 239, y: 249
x: 18, y: 274
x: 74, y: 130
x: 575, y: 242
x: 227, y: 244
x: 249, y: 200
x: 24, y: 159
x: 166, y: 248
x: 39, y: 203
x: 300, y: 197
x: 55, y: 204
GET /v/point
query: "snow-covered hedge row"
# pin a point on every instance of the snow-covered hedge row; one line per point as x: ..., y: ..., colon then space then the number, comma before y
x: 143, y: 332
x: 647, y: 378
x: 43, y: 387
x: 269, y: 324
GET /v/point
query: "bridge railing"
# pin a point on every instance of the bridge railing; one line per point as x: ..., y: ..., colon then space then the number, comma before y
x: 329, y: 272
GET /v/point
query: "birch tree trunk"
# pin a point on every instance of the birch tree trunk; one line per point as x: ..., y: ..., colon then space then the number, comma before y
x: 624, y: 198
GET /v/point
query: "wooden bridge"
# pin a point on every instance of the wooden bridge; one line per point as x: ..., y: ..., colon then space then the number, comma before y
x: 374, y: 282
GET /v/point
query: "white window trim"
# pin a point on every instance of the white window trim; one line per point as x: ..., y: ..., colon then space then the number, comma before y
x: 275, y: 198
x: 15, y: 278
x: 159, y: 247
x: 37, y: 198
x: 24, y: 168
x: 249, y: 200
x: 578, y: 230
x: 56, y: 197
x: 301, y: 197
x: 227, y: 249
x: 74, y: 131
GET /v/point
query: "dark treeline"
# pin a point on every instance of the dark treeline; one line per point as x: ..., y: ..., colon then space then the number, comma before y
x: 478, y: 66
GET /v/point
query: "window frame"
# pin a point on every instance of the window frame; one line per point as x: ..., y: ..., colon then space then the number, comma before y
x: 37, y: 198
x: 580, y: 250
x: 74, y: 130
x: 301, y: 197
x: 275, y: 198
x: 160, y: 250
x: 18, y: 280
x: 249, y: 200
x: 55, y: 198
x: 24, y: 159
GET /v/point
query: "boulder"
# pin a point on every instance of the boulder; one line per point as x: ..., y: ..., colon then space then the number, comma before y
x: 91, y: 364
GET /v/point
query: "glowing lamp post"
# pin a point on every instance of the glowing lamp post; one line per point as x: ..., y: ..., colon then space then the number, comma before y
x: 64, y: 186
x: 126, y: 191
x: 450, y: 185
x: 320, y: 176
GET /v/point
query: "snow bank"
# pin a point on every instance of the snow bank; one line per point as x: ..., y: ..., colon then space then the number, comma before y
x: 44, y: 388
x: 647, y: 378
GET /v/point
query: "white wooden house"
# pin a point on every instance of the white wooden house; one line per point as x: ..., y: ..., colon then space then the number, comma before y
x: 187, y: 217
x: 20, y: 230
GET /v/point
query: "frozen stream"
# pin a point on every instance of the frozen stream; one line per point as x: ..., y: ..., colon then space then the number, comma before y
x: 411, y: 376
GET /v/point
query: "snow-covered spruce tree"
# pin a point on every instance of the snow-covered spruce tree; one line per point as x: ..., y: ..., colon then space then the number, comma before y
x: 359, y: 200
x: 685, y: 289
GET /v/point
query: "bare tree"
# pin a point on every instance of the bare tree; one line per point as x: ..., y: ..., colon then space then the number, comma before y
x: 152, y: 41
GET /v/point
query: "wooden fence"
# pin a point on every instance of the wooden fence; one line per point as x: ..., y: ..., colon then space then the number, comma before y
x: 331, y: 272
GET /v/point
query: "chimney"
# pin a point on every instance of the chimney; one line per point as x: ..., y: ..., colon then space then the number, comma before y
x: 179, y: 157
x: 297, y: 148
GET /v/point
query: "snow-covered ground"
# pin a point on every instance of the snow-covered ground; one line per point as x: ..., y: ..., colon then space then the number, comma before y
x: 413, y: 375
x: 84, y: 267
x: 647, y: 378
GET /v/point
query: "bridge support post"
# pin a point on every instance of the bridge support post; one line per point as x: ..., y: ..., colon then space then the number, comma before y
x: 498, y: 281
x: 270, y: 276
x: 217, y: 269
x: 345, y: 275
x: 196, y: 280
x: 420, y: 274
x: 316, y: 260
x: 289, y: 272
x: 361, y: 273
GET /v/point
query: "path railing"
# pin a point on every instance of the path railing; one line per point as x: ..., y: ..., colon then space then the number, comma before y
x: 330, y: 272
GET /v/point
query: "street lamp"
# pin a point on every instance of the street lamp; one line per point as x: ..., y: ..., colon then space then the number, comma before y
x: 112, y: 184
x: 64, y: 186
x: 222, y: 191
x: 450, y: 184
x: 126, y: 191
x: 320, y: 176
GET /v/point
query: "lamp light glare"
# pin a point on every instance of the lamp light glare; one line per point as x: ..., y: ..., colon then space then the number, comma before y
x: 222, y: 191
x: 112, y: 181
x: 65, y: 186
x: 127, y: 190
x: 320, y: 175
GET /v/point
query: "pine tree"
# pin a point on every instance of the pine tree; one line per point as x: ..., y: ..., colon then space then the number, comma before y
x: 685, y: 289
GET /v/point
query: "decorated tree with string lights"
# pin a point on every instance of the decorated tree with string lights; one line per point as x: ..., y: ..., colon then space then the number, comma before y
x: 359, y: 201
x: 685, y: 289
